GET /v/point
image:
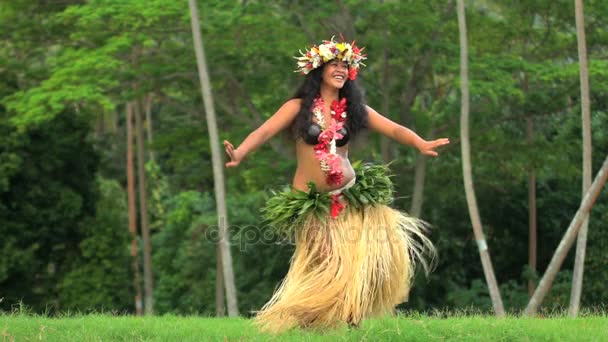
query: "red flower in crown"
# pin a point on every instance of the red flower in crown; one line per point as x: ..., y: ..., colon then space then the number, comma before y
x: 352, y: 74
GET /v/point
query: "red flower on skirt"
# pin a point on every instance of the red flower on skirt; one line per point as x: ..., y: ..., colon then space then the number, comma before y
x: 336, y: 205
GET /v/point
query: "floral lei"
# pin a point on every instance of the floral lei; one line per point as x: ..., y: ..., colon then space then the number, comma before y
x: 325, y: 149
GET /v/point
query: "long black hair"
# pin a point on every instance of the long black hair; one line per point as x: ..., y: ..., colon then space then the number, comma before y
x: 356, y: 119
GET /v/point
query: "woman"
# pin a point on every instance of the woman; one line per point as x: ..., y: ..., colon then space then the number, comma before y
x: 354, y: 254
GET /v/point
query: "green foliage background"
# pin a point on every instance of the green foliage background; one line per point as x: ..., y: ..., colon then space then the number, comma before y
x: 68, y: 68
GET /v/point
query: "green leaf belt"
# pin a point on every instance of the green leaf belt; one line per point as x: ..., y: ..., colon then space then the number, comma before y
x: 284, y: 210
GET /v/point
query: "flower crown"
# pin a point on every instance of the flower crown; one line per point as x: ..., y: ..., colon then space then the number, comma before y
x: 328, y: 50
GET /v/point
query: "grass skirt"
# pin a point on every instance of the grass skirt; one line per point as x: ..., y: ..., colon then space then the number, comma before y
x: 357, y: 265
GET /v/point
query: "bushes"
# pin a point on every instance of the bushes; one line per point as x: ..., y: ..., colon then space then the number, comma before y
x: 64, y: 232
x: 185, y: 255
x: 184, y: 258
x: 100, y: 278
x: 46, y: 195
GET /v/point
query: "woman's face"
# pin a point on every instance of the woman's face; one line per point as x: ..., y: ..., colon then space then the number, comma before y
x: 335, y: 73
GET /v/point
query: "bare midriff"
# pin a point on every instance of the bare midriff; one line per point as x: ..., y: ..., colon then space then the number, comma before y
x: 309, y: 168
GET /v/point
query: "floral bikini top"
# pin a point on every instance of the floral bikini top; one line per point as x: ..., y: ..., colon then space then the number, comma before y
x: 326, y: 137
x: 311, y: 137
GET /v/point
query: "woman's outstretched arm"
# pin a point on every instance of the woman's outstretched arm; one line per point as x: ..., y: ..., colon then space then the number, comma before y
x: 276, y: 123
x: 402, y: 134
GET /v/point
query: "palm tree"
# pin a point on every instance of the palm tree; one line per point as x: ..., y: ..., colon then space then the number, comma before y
x: 218, y: 173
x: 466, y: 166
x: 581, y: 244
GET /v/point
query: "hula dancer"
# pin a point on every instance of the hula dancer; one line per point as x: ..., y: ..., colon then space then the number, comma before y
x: 354, y: 255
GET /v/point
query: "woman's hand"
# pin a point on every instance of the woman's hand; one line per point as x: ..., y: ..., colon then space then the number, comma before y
x: 235, y: 157
x: 428, y: 147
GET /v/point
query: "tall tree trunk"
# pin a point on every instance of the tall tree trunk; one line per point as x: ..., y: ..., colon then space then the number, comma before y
x: 133, y: 212
x: 466, y: 167
x: 385, y: 144
x: 532, y: 228
x: 220, y: 302
x: 218, y: 172
x: 419, y: 179
x: 418, y: 193
x: 562, y: 250
x: 143, y: 212
x: 581, y: 244
x: 149, y: 126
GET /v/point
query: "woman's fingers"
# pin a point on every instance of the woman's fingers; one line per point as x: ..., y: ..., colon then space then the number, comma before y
x: 230, y: 152
x: 229, y: 149
x: 233, y: 162
x: 432, y: 145
x: 440, y: 142
x: 430, y: 153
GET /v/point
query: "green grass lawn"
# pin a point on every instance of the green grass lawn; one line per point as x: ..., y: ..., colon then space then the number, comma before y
x: 402, y: 328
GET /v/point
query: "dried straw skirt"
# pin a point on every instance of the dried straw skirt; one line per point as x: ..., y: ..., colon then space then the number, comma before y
x: 357, y: 265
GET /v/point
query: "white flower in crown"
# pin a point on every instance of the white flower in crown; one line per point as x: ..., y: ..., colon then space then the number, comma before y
x: 348, y: 54
x: 317, y: 61
x: 326, y: 53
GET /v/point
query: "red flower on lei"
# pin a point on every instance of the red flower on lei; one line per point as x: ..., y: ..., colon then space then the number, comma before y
x: 331, y: 163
